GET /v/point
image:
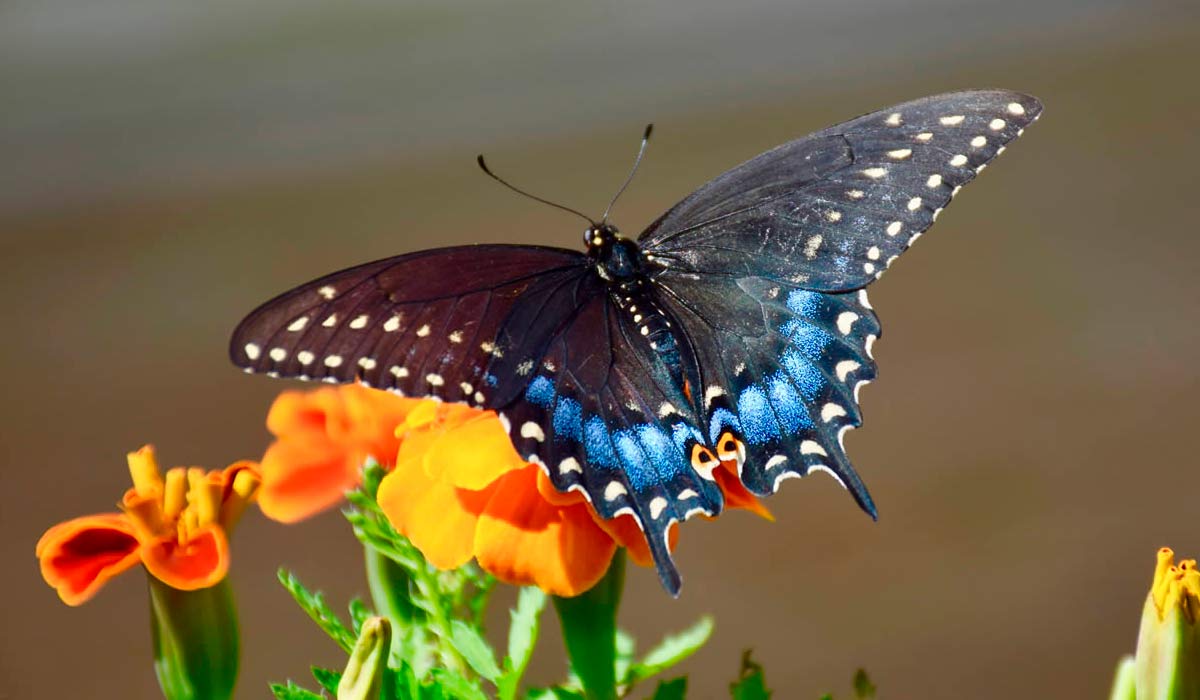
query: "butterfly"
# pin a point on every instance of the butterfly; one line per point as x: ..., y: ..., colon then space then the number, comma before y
x: 735, y: 328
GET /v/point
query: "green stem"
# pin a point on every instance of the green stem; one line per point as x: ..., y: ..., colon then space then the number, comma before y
x: 195, y: 637
x: 589, y: 626
x: 389, y: 584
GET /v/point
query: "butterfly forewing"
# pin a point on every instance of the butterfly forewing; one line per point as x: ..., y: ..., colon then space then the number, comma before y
x: 428, y: 324
x: 831, y: 211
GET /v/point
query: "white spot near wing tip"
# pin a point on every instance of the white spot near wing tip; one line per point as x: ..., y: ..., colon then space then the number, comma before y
x: 456, y: 337
x: 252, y: 351
x: 894, y: 228
x: 1016, y: 108
x: 833, y: 216
x: 614, y: 490
x: 532, y: 430
x: 863, y: 301
x: 845, y: 321
x: 914, y: 204
x: 868, y: 345
x: 900, y: 153
x: 305, y: 357
x: 298, y: 324
x: 858, y: 387
x: 568, y: 465
x: 657, y: 505
x: 923, y: 136
x: 278, y: 354
x: 934, y: 180
x: 844, y: 368
x: 812, y: 447
x: 855, y: 194
x: 360, y: 322
x: 435, y: 379
x: 333, y: 361
x: 330, y: 321
x: 391, y: 325
x: 327, y: 292
x: 996, y: 124
x: 979, y: 142
x: 873, y: 252
x: 423, y: 331
x: 875, y: 173
x: 952, y: 120
x: 869, y: 268
x: 958, y: 161
x: 893, y: 119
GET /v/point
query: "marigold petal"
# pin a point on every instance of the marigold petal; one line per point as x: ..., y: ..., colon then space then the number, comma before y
x: 624, y: 529
x: 524, y: 539
x: 302, y: 477
x: 546, y: 488
x: 439, y: 519
x: 736, y: 494
x: 475, y: 453
x: 200, y: 562
x: 78, y: 556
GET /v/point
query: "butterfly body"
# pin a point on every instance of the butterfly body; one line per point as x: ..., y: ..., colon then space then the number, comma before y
x: 735, y: 329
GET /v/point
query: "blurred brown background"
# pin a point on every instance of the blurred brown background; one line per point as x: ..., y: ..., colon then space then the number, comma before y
x: 1031, y: 438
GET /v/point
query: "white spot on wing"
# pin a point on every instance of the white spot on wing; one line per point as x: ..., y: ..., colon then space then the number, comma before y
x: 360, y: 322
x: 893, y: 119
x: 391, y: 325
x: 456, y: 337
x: 894, y: 228
x: 435, y: 379
x: 1015, y: 108
x: 686, y: 494
x: 875, y: 173
x: 914, y: 204
x: 900, y: 153
x: 657, y: 505
x: 845, y: 321
x: 712, y: 392
x: 568, y: 465
x: 979, y: 142
x: 367, y: 363
x: 952, y: 120
x: 844, y: 368
x: 252, y: 351
x: 830, y: 411
x: 996, y: 124
x: 775, y: 461
x: 398, y: 372
x: 305, y: 357
x: 278, y: 354
x: 665, y: 409
x: 614, y: 490
x: 833, y: 216
x: 327, y: 292
x: 934, y: 180
x: 873, y: 252
x: 923, y: 136
x: 333, y: 361
x: 855, y: 194
x: 811, y: 246
x: 532, y: 430
x: 869, y: 268
x: 863, y: 301
x: 830, y: 472
x: 298, y: 325
x: 423, y: 331
x: 958, y: 161
x: 869, y: 344
x: 330, y: 321
x: 812, y: 447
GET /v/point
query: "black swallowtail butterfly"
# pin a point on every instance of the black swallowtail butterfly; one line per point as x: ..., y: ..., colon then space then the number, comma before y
x: 736, y: 327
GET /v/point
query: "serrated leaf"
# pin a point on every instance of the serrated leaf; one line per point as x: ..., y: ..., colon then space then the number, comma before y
x: 674, y: 689
x: 359, y: 612
x: 671, y: 650
x: 291, y: 691
x: 328, y: 678
x: 474, y: 649
x: 455, y: 686
x: 864, y: 689
x: 314, y: 604
x: 750, y: 685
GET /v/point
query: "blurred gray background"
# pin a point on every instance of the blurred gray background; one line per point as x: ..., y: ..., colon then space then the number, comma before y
x: 1030, y: 440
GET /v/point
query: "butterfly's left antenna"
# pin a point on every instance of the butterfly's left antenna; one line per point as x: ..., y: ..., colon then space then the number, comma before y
x: 632, y: 171
x: 483, y: 166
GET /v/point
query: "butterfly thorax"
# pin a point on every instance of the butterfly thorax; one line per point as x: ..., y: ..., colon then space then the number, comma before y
x: 617, y: 259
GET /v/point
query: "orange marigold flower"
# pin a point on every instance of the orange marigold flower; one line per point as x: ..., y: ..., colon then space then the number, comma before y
x: 460, y: 491
x: 175, y: 526
x: 322, y: 439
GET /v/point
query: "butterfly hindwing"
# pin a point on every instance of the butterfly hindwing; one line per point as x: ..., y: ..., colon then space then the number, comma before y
x: 831, y: 211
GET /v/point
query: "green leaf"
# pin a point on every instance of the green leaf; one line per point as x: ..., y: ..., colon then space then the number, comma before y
x: 455, y: 686
x: 672, y: 650
x: 291, y: 691
x: 626, y: 646
x: 522, y: 635
x: 674, y: 689
x: 750, y: 684
x: 554, y: 694
x: 314, y: 604
x: 474, y: 649
x: 864, y: 689
x: 1124, y: 685
x: 194, y: 635
x: 359, y: 612
x: 328, y: 678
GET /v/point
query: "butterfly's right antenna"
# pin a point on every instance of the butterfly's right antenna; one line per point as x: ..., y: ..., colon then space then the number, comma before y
x: 636, y: 162
x: 483, y: 166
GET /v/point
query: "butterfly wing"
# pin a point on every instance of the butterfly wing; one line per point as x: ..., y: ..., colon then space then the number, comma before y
x: 764, y: 268
x: 602, y: 416
x: 832, y: 210
x: 445, y: 323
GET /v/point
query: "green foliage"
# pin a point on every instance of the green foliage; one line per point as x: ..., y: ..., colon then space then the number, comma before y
x: 328, y: 679
x: 670, y: 651
x: 750, y: 684
x: 674, y: 689
x: 291, y: 691
x: 864, y: 689
x: 314, y: 604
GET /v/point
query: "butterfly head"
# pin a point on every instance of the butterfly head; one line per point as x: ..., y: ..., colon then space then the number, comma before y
x: 616, y: 257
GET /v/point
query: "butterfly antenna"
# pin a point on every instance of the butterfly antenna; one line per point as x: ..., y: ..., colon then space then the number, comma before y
x: 633, y: 171
x: 483, y: 166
